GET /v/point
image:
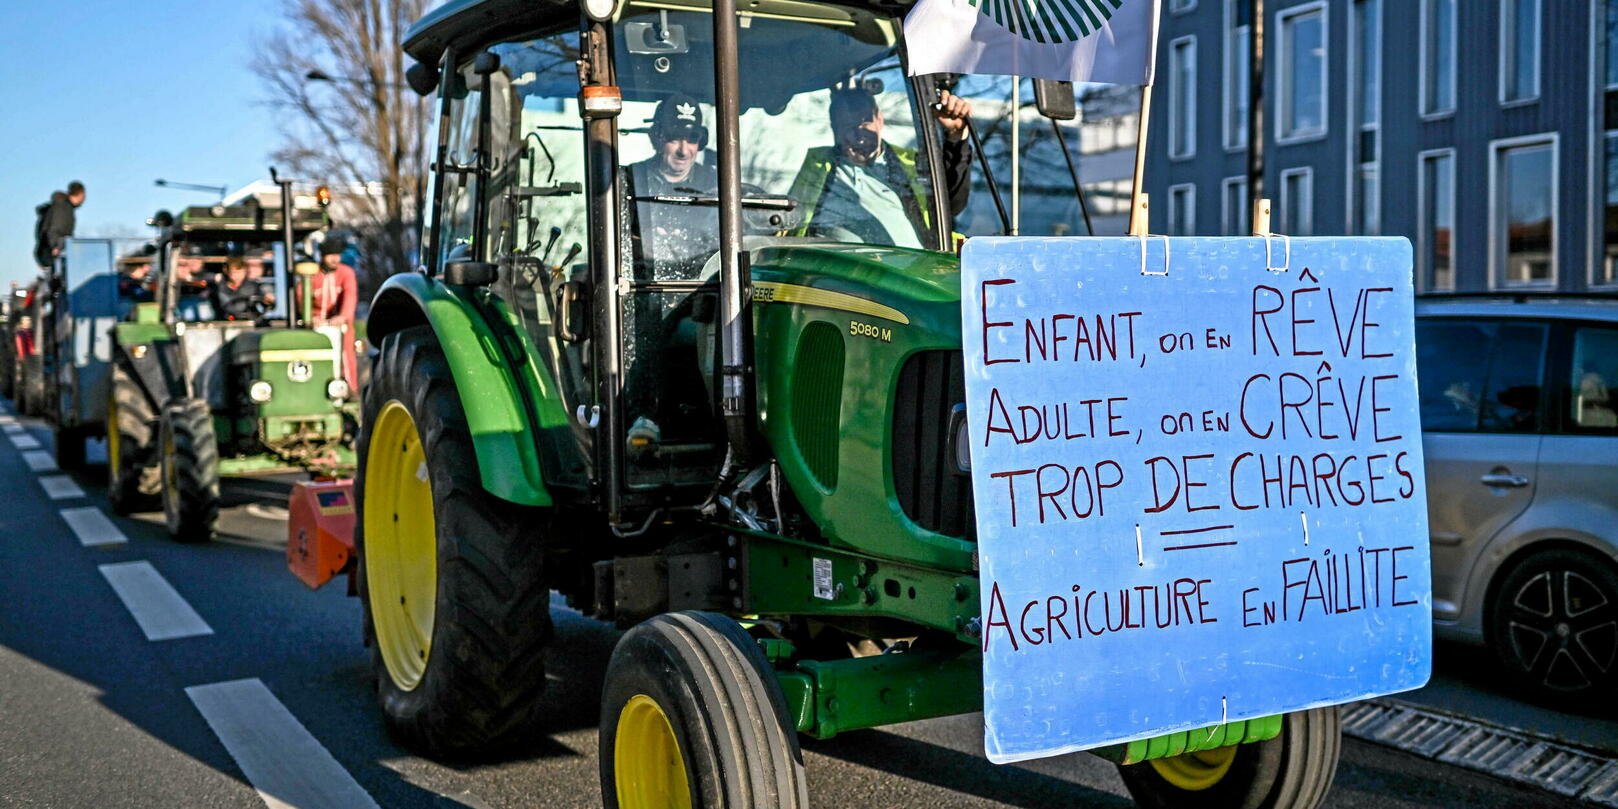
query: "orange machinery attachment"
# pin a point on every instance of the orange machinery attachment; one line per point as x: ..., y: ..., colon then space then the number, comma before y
x: 320, y: 531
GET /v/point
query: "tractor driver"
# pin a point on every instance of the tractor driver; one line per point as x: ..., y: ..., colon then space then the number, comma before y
x: 238, y: 297
x: 869, y: 188
x: 676, y: 238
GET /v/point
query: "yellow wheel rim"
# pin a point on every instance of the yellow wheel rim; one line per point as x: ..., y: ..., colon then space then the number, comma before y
x: 401, y: 545
x: 1196, y: 771
x: 647, y: 767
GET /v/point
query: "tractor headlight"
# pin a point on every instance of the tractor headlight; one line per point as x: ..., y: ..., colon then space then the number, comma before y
x: 260, y: 391
x: 337, y: 389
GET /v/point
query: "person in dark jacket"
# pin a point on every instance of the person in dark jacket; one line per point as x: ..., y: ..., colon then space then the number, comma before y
x: 237, y: 297
x: 56, y: 222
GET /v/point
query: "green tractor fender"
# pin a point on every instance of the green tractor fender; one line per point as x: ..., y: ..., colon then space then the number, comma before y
x: 503, y: 435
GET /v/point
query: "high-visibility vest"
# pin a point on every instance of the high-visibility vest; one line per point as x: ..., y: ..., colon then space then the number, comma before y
x: 815, y: 173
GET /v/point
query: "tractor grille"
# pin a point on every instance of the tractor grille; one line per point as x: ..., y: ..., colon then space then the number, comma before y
x: 933, y: 492
x: 817, y: 400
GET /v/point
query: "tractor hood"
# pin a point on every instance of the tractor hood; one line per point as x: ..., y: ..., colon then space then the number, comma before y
x: 281, y: 345
x: 900, y: 285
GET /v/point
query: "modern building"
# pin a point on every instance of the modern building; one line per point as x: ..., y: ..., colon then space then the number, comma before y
x: 1485, y: 131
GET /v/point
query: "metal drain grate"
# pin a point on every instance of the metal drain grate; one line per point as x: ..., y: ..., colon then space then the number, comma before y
x: 1510, y: 754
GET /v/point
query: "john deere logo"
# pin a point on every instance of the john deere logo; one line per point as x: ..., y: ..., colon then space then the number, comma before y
x: 1050, y: 21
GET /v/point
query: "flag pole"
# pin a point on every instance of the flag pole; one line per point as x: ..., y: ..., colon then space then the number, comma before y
x: 1137, y: 200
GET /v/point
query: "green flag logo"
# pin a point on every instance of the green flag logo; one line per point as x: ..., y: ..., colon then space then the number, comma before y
x: 1049, y: 21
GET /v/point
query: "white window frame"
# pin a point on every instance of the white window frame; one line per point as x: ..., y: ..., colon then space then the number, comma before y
x: 1284, y: 73
x: 1287, y: 210
x: 1357, y: 127
x: 1496, y: 147
x: 1191, y: 99
x: 1454, y: 34
x: 1539, y: 52
x: 1228, y: 86
x: 1230, y: 219
x: 1190, y: 191
x: 1596, y: 221
x: 1424, y: 272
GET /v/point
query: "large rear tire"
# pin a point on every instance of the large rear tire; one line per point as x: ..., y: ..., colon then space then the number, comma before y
x: 450, y: 575
x: 692, y: 716
x: 1292, y: 771
x: 134, y: 481
x: 190, y: 466
x: 33, y: 387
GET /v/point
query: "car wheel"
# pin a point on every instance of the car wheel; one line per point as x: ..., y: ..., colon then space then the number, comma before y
x: 1553, y: 623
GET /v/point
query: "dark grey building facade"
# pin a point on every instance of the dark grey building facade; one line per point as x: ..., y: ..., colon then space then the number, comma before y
x: 1479, y: 129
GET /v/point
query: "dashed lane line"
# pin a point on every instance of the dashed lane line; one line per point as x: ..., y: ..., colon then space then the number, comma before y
x: 60, y: 487
x: 159, y: 609
x: 39, y: 461
x: 92, y: 527
x: 286, y: 764
x: 23, y: 441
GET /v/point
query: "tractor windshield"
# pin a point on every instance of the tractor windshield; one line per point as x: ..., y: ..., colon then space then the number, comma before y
x: 828, y: 132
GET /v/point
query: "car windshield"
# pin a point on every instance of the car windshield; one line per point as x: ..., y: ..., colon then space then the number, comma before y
x: 829, y: 148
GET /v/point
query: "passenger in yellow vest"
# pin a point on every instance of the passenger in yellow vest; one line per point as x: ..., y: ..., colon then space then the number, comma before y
x: 863, y: 187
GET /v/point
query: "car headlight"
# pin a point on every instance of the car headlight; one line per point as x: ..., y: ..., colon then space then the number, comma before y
x: 260, y: 391
x: 337, y: 389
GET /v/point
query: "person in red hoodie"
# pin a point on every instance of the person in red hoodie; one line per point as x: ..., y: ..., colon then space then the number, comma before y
x: 336, y: 292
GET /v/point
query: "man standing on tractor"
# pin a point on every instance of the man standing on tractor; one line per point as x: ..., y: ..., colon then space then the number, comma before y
x: 336, y: 292
x: 867, y: 188
x: 55, y: 224
x: 681, y: 236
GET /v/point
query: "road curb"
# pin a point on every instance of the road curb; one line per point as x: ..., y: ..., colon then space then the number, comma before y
x: 1510, y: 753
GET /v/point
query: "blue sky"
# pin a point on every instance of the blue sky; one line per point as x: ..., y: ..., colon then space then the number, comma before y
x: 117, y: 94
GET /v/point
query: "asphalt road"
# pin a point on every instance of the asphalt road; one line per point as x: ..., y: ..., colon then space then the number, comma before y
x: 93, y: 713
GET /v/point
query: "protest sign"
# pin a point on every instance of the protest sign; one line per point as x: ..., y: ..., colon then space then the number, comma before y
x: 1198, y: 482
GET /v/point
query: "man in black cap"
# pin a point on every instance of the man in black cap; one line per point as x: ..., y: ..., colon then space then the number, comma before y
x: 676, y: 236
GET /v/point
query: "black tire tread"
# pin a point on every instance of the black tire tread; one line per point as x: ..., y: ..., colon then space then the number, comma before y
x: 1292, y: 771
x: 140, y: 480
x: 492, y: 623
x: 196, y: 467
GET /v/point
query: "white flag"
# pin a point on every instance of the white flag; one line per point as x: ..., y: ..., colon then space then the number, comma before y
x: 1109, y: 41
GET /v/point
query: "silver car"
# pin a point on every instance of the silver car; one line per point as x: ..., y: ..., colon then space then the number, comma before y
x: 1519, y: 412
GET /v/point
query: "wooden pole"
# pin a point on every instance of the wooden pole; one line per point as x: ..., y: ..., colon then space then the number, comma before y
x: 1137, y: 202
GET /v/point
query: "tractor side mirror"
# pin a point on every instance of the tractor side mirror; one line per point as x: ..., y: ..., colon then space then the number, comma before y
x: 1055, y: 99
x: 471, y: 273
x: 422, y: 78
x: 485, y: 63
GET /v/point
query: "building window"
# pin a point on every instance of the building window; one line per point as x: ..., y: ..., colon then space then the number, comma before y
x: 1236, y: 209
x: 1366, y: 203
x: 1522, y: 235
x: 1237, y: 85
x: 1519, y: 50
x: 1435, y: 237
x: 1437, y: 57
x: 1298, y: 202
x: 1183, y: 97
x: 1303, y: 72
x: 1183, y: 210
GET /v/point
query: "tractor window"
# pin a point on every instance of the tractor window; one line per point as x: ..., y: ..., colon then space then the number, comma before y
x: 455, y: 229
x: 538, y: 229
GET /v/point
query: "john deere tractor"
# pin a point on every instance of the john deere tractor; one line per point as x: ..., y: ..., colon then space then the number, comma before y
x: 194, y: 397
x: 723, y: 415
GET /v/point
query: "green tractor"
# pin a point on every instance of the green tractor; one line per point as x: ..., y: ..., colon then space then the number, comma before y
x: 724, y: 414
x: 194, y: 397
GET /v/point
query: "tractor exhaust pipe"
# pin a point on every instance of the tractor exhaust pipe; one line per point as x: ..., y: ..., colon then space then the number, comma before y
x: 736, y: 392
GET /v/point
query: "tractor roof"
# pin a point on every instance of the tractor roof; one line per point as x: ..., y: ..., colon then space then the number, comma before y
x: 242, y: 223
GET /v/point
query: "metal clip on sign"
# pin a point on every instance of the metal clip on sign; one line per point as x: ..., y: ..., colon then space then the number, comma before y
x: 1137, y: 228
x: 1261, y: 227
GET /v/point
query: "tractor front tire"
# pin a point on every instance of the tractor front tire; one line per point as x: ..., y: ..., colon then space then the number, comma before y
x: 450, y: 576
x: 190, y: 465
x: 134, y: 482
x: 33, y: 387
x: 692, y: 715
x: 1291, y: 771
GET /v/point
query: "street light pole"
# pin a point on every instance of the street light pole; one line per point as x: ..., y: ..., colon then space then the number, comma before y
x: 221, y: 190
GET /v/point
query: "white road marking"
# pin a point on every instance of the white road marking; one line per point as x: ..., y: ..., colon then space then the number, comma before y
x: 159, y: 609
x: 24, y: 441
x: 39, y: 461
x: 281, y: 759
x: 60, y: 487
x: 92, y: 527
x: 12, y: 427
x: 7, y: 419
